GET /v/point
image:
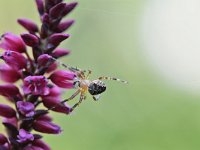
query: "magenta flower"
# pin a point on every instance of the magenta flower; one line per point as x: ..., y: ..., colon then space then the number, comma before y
x: 63, y: 78
x: 24, y: 136
x: 26, y: 108
x: 14, y: 59
x: 31, y: 69
x: 36, y: 85
x: 9, y: 74
x: 12, y: 42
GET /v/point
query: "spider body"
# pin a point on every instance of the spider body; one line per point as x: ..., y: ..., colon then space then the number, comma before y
x: 96, y: 87
x: 83, y: 85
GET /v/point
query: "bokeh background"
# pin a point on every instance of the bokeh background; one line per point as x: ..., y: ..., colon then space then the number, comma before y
x: 153, y: 44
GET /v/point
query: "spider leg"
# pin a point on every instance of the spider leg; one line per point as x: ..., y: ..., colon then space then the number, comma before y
x: 66, y: 100
x: 71, y: 97
x: 82, y: 97
x: 89, y: 73
x: 71, y: 68
x: 112, y: 78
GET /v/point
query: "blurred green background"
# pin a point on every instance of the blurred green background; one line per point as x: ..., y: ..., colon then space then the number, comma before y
x: 146, y: 114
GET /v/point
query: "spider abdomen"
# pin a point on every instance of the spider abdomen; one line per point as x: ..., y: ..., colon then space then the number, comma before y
x: 96, y: 87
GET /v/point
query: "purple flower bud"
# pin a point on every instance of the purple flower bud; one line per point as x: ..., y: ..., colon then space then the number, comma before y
x: 26, y: 108
x: 45, y: 118
x: 54, y: 91
x: 41, y: 144
x: 50, y: 3
x: 50, y: 101
x: 13, y: 121
x: 45, y: 19
x: 64, y: 25
x: 36, y: 85
x: 60, y: 52
x: 30, y: 39
x: 7, y: 111
x: 24, y: 136
x: 9, y: 90
x: 45, y: 25
x: 45, y: 60
x: 28, y: 25
x: 8, y: 74
x: 46, y: 127
x: 40, y: 6
x: 63, y: 78
x: 57, y: 10
x: 69, y: 7
x: 12, y: 42
x: 14, y: 59
x: 57, y: 38
x: 52, y: 67
x: 53, y: 99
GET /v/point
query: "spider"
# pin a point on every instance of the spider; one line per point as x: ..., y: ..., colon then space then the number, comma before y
x: 83, y: 85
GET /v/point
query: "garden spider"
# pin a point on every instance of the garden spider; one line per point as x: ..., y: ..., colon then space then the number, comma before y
x: 84, y: 85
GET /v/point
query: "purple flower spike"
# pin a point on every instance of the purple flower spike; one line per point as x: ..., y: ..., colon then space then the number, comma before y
x: 57, y: 38
x: 28, y: 25
x: 14, y: 59
x: 63, y: 79
x: 36, y: 85
x: 24, y: 136
x: 12, y: 42
x: 46, y: 127
x: 30, y: 39
x: 57, y: 10
x: 64, y: 25
x: 60, y: 52
x: 8, y: 74
x: 26, y: 108
x: 26, y: 114
x: 7, y: 111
